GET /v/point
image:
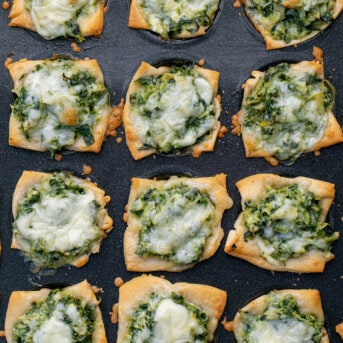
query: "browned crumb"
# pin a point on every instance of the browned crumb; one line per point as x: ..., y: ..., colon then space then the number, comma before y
x: 317, y: 153
x: 201, y: 62
x: 228, y: 326
x: 317, y: 54
x: 97, y: 290
x: 5, y: 5
x: 2, y: 333
x: 58, y: 157
x: 272, y: 160
x: 75, y: 47
x: 222, y: 131
x: 125, y: 217
x: 236, y: 126
x: 115, y: 119
x: 119, y: 140
x: 86, y: 169
x: 8, y: 61
x: 162, y: 276
x: 237, y: 4
x: 114, y: 313
x: 219, y: 98
x: 107, y: 199
x: 339, y: 329
x: 118, y: 282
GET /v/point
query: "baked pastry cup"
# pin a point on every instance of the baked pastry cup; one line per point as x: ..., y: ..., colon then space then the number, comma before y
x: 287, y: 315
x: 287, y: 110
x: 282, y: 226
x: 175, y: 223
x: 287, y: 23
x: 61, y: 103
x: 154, y: 307
x: 172, y: 110
x: 59, y: 219
x: 175, y: 19
x: 60, y: 18
x: 70, y: 313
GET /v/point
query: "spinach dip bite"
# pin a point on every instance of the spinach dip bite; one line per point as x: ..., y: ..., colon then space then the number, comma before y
x: 173, y: 224
x: 61, y: 103
x: 172, y: 110
x: 282, y: 226
x: 282, y: 316
x: 59, y: 18
x: 287, y: 110
x: 71, y: 314
x: 151, y: 309
x: 284, y: 23
x: 173, y: 19
x: 59, y: 219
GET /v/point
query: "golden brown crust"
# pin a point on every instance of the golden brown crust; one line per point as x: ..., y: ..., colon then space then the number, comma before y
x: 16, y: 137
x: 253, y: 188
x: 272, y: 43
x: 20, y: 302
x: 333, y: 133
x: 90, y: 24
x: 214, y: 186
x: 339, y: 329
x: 133, y: 140
x: 308, y: 301
x: 138, y: 21
x: 209, y: 299
x: 31, y: 178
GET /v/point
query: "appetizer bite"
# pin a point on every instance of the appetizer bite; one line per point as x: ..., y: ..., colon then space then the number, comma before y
x: 70, y: 314
x: 61, y: 103
x: 172, y: 109
x: 152, y: 309
x: 287, y: 110
x: 282, y: 316
x: 174, y: 223
x: 282, y: 226
x: 284, y: 23
x: 59, y: 219
x: 59, y: 18
x: 174, y: 19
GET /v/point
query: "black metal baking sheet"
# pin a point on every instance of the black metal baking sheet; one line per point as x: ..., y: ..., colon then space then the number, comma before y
x: 233, y: 48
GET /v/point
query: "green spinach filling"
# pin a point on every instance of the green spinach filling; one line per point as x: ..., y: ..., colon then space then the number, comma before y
x: 51, y: 91
x: 46, y: 219
x: 175, y: 223
x: 170, y: 18
x: 285, y: 224
x: 282, y: 311
x: 287, y: 111
x: 177, y: 109
x: 287, y: 23
x: 143, y: 322
x: 75, y: 315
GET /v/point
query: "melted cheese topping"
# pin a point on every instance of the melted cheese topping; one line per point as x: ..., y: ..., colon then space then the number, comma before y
x: 62, y: 223
x: 277, y: 331
x: 50, y: 16
x: 53, y: 330
x: 174, y: 323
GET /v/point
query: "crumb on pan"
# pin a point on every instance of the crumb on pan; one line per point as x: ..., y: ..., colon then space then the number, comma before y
x: 222, y: 131
x: 201, y: 62
x: 339, y: 329
x: 114, y: 313
x: 317, y: 54
x: 228, y: 326
x: 58, y: 157
x: 75, y: 47
x: 86, y: 169
x: 317, y: 153
x: 2, y: 333
x: 237, y: 4
x: 272, y: 160
x: 8, y: 61
x: 119, y: 140
x: 118, y: 282
x: 5, y: 5
x: 115, y: 119
x: 236, y: 126
x: 125, y: 217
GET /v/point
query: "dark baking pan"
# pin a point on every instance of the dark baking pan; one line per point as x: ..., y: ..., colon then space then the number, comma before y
x: 232, y: 47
